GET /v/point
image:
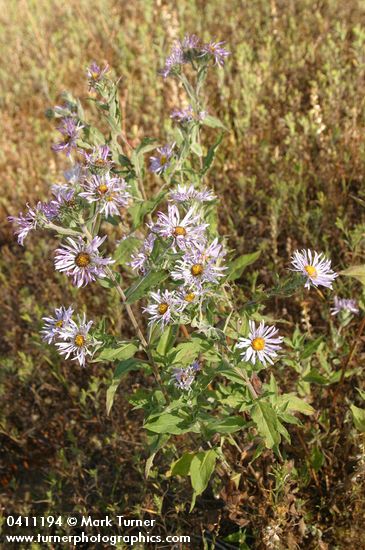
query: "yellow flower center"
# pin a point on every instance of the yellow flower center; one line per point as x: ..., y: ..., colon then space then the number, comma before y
x: 258, y: 344
x: 163, y: 159
x: 103, y: 188
x: 312, y: 272
x: 189, y: 297
x: 59, y: 323
x: 179, y: 231
x: 162, y: 308
x: 94, y: 75
x: 79, y: 340
x: 100, y: 162
x: 82, y: 259
x: 197, y: 269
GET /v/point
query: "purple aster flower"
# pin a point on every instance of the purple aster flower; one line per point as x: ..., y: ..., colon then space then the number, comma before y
x: 215, y: 49
x: 183, y: 193
x: 81, y: 260
x: 65, y: 195
x: 77, y: 340
x: 315, y: 268
x: 200, y: 266
x: 175, y: 59
x: 343, y: 304
x: 181, y: 52
x: 95, y: 74
x: 28, y: 221
x: 99, y: 158
x: 161, y: 161
x: 184, y: 377
x: 53, y: 325
x: 163, y: 309
x: 70, y: 129
x: 190, y: 42
x: 183, y: 115
x: 110, y: 193
x: 186, y: 232
x: 139, y: 260
x: 262, y: 343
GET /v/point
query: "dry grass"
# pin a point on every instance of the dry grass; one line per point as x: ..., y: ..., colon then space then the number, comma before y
x: 289, y: 174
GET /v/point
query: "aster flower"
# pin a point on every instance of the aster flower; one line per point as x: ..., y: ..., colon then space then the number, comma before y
x: 139, y: 259
x: 81, y: 260
x: 184, y: 377
x: 344, y: 304
x: 163, y: 309
x: 215, y: 49
x: 188, y: 296
x: 99, y: 158
x: 175, y: 59
x: 183, y: 193
x: 53, y: 325
x: 262, y: 343
x: 187, y: 115
x: 315, y: 268
x: 70, y: 129
x: 95, y: 74
x: 76, y: 340
x: 183, y: 115
x: 200, y: 266
x: 64, y: 195
x: 28, y: 221
x: 186, y: 232
x: 161, y: 161
x: 109, y: 192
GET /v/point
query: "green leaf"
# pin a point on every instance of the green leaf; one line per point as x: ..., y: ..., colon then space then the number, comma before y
x: 315, y: 377
x: 356, y: 271
x: 236, y: 268
x: 266, y: 421
x: 201, y: 469
x: 197, y: 149
x: 207, y: 161
x: 125, y: 248
x: 311, y: 347
x: 122, y: 352
x: 166, y: 423
x: 316, y: 459
x: 139, y: 210
x: 213, y: 122
x: 144, y: 284
x: 167, y: 340
x: 181, y: 467
x: 294, y: 403
x: 147, y: 144
x: 123, y: 368
x: 226, y: 425
x: 358, y: 416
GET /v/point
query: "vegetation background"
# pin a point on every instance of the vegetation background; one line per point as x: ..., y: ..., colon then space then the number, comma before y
x: 289, y: 174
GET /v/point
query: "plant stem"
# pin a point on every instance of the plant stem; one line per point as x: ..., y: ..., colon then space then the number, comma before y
x: 352, y: 352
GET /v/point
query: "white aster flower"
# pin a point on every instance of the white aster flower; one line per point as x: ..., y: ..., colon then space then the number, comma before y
x: 110, y: 193
x: 343, y: 304
x: 183, y: 193
x: 139, y: 260
x: 53, y: 325
x: 262, y: 343
x: 200, y: 266
x: 315, y: 268
x: 76, y: 340
x: 164, y: 308
x: 186, y: 232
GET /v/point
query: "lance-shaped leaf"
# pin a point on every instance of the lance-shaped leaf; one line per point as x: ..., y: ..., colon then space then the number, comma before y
x: 266, y: 421
x: 236, y: 268
x: 144, y: 284
x: 356, y: 271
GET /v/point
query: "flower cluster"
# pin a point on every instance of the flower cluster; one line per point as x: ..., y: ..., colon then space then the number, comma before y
x: 191, y: 49
x: 183, y: 378
x: 70, y: 337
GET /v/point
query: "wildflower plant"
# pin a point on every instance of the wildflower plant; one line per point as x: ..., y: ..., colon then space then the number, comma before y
x: 200, y: 345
